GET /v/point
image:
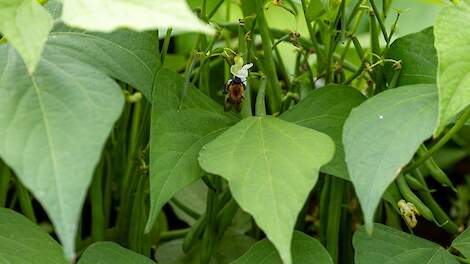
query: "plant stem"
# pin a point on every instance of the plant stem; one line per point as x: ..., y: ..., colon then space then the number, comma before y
x: 96, y: 199
x: 436, y: 147
x: 380, y: 20
x: 462, y: 260
x: 260, y: 106
x: 173, y: 234
x: 5, y: 175
x: 185, y: 208
x: 274, y: 93
x: 311, y: 32
x: 209, y: 235
x: 335, y: 208
x: 166, y: 44
x: 25, y: 201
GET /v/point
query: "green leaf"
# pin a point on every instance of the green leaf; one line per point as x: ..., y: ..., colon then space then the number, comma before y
x: 53, y: 125
x: 192, y: 196
x: 109, y: 252
x: 462, y: 243
x: 100, y: 15
x: 381, y: 136
x: 271, y: 166
x: 21, y: 241
x: 305, y: 249
x: 315, y: 10
x: 390, y: 246
x: 177, y: 137
x: 452, y: 32
x: 125, y: 55
x: 325, y: 110
x: 418, y: 58
x: 25, y: 24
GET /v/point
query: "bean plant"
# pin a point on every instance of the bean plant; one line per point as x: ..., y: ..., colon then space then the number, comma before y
x: 234, y: 131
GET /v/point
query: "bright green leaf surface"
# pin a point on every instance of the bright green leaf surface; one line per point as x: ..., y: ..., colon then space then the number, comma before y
x: 418, y: 58
x: 109, y: 252
x: 125, y: 55
x: 462, y: 243
x: 325, y: 110
x: 53, y: 125
x: 22, y: 242
x: 178, y: 135
x: 381, y: 136
x: 390, y: 246
x: 305, y: 249
x: 452, y: 32
x: 271, y: 166
x: 25, y: 24
x: 108, y: 15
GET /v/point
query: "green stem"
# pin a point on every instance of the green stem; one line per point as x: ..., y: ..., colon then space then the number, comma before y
x: 209, y: 236
x: 274, y: 94
x: 214, y: 10
x: 166, y: 44
x: 185, y: 209
x: 311, y: 32
x: 246, y: 109
x: 260, y: 106
x: 462, y: 260
x: 5, y: 175
x: 97, y: 212
x: 25, y: 201
x: 436, y: 147
x: 335, y: 208
x: 173, y: 234
x: 380, y: 20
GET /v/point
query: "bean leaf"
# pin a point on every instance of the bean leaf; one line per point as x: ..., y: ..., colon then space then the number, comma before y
x: 21, y: 241
x: 462, y: 243
x: 25, y: 24
x: 125, y: 55
x: 325, y: 110
x: 53, y: 125
x: 109, y: 252
x: 271, y: 166
x: 452, y: 32
x: 418, y: 58
x: 305, y: 249
x: 101, y: 15
x: 381, y: 136
x: 390, y: 246
x: 178, y: 135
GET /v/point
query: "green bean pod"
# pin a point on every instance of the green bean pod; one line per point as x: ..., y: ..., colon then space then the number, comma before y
x: 194, y: 233
x: 411, y: 197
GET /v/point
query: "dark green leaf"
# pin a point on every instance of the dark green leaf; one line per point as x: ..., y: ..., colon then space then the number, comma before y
x: 22, y: 242
x: 305, y: 249
x: 325, y: 110
x: 381, y: 136
x: 462, y: 243
x: 109, y: 252
x: 390, y: 246
x: 125, y: 55
x: 418, y: 58
x: 178, y: 135
x: 271, y: 165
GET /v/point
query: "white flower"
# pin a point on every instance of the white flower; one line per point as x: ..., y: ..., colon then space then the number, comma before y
x: 241, y: 72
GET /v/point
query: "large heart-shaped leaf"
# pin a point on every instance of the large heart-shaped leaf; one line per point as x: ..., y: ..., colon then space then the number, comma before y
x: 53, y: 125
x: 462, y: 243
x: 108, y: 15
x: 271, y: 166
x: 178, y: 135
x: 452, y: 32
x: 381, y: 136
x: 418, y: 58
x: 325, y: 110
x: 25, y: 24
x: 390, y: 246
x: 21, y: 241
x: 109, y: 252
x: 125, y: 55
x: 305, y: 249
